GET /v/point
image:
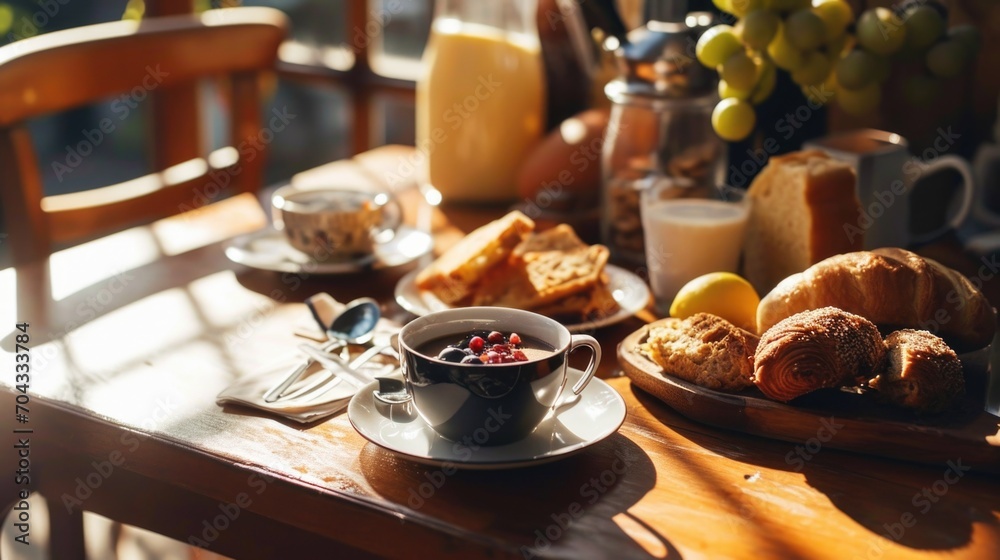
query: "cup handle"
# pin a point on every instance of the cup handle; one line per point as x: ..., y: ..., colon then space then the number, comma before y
x: 392, y: 220
x: 576, y: 341
x: 968, y: 193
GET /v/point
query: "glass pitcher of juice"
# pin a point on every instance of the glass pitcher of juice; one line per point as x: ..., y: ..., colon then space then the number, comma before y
x: 481, y: 98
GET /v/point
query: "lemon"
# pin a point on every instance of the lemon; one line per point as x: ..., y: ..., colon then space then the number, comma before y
x: 724, y: 294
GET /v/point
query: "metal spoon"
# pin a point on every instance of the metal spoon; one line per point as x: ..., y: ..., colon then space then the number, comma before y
x: 354, y: 325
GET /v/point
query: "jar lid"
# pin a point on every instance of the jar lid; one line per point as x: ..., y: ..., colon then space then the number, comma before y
x: 658, y: 62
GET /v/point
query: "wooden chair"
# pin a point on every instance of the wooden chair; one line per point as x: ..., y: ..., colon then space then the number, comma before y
x: 66, y: 69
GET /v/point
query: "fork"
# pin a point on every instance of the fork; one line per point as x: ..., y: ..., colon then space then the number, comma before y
x: 330, y: 375
x: 275, y: 393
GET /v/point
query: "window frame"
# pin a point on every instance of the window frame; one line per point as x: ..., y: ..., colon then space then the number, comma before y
x: 360, y: 83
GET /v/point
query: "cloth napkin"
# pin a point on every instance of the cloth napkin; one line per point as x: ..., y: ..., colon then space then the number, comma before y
x: 249, y: 391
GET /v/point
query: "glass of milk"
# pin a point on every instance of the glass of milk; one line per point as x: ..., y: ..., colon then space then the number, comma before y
x: 688, y: 234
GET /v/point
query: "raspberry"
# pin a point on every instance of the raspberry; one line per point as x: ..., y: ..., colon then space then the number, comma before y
x: 496, y: 337
x: 520, y: 356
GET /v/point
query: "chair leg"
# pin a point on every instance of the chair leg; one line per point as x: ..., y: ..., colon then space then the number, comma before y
x: 65, y: 532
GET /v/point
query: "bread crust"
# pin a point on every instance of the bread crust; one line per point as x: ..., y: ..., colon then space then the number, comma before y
x: 891, y: 287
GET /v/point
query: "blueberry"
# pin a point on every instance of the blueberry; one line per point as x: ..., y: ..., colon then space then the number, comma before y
x: 472, y: 359
x: 451, y: 354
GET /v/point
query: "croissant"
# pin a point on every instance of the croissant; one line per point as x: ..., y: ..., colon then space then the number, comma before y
x: 921, y: 372
x: 893, y: 288
x: 811, y: 350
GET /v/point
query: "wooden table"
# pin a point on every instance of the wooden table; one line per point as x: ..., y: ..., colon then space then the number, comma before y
x: 133, y: 335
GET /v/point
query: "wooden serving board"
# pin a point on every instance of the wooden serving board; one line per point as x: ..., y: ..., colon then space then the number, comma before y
x: 830, y: 418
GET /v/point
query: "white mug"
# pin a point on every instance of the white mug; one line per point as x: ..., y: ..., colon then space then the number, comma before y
x: 886, y: 175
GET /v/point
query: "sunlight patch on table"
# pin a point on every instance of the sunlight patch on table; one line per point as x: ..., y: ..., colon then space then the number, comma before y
x: 208, y: 223
x: 135, y: 332
x: 146, y: 395
x: 223, y: 302
x: 76, y: 268
x: 789, y: 504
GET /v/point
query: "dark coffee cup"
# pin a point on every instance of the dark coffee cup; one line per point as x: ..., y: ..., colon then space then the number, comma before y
x: 489, y: 404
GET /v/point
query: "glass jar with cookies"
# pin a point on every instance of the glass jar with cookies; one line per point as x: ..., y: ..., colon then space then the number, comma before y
x: 660, y: 127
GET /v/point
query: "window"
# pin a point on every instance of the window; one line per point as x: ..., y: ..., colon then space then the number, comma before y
x: 367, y: 53
x: 347, y: 71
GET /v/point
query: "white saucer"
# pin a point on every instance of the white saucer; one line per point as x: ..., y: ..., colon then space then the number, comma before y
x: 630, y: 291
x: 598, y: 414
x: 268, y: 249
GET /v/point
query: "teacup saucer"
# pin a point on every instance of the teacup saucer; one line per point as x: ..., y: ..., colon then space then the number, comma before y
x: 268, y: 249
x: 597, y: 414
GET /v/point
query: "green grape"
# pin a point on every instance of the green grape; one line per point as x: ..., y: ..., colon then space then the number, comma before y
x: 920, y: 90
x: 733, y: 119
x: 805, y: 30
x: 784, y: 55
x: 739, y: 71
x: 883, y: 69
x: 835, y: 47
x: 859, y: 101
x: 924, y: 26
x: 880, y: 31
x: 947, y: 59
x: 836, y: 15
x: 759, y: 27
x: 765, y: 85
x: 723, y: 5
x: 785, y: 5
x: 726, y: 91
x: 823, y: 93
x: 741, y: 8
x: 967, y: 35
x: 716, y: 45
x: 814, y: 71
x: 857, y: 69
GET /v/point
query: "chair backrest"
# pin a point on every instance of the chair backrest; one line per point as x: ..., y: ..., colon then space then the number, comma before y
x: 66, y: 69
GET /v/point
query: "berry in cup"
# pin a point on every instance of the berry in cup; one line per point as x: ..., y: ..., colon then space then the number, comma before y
x: 485, y: 348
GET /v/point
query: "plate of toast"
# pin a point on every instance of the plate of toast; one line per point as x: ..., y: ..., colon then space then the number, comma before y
x: 507, y: 263
x: 846, y: 351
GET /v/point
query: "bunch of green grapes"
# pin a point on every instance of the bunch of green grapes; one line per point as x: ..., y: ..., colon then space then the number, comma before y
x: 817, y: 44
x: 915, y: 31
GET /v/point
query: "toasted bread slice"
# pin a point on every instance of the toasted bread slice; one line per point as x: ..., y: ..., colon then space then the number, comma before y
x: 551, y: 276
x: 561, y: 238
x: 454, y: 275
x: 589, y: 305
